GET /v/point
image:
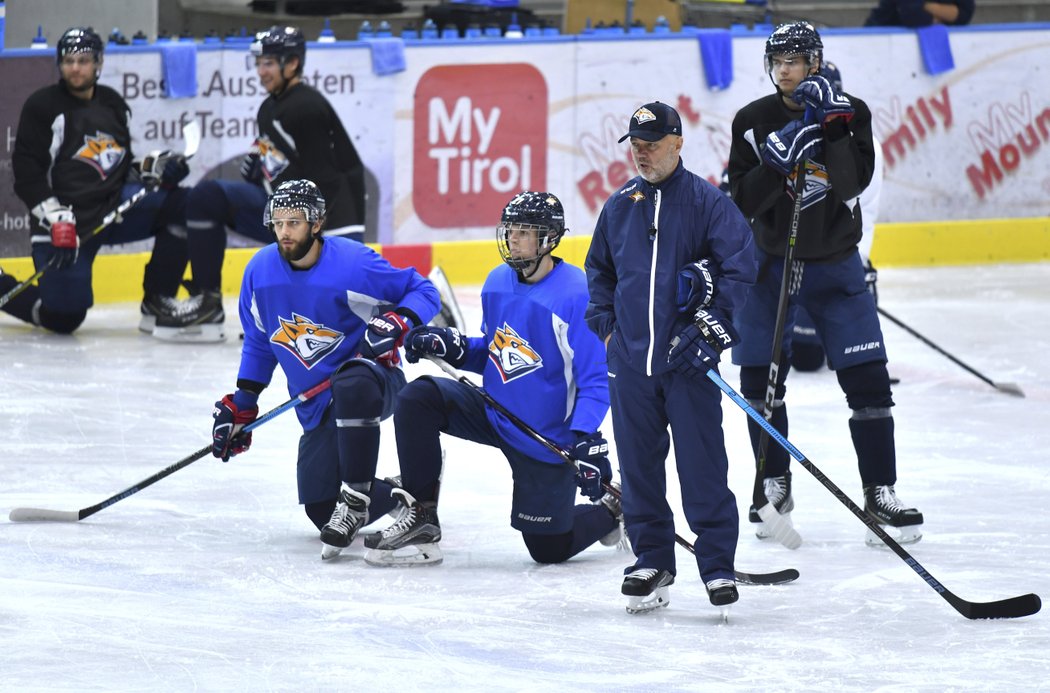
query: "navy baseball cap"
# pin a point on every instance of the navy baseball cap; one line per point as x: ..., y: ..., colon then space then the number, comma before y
x: 652, y: 122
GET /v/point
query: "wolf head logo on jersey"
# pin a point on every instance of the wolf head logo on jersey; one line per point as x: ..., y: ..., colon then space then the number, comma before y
x: 512, y: 355
x: 309, y: 341
x: 101, y: 152
x: 273, y: 159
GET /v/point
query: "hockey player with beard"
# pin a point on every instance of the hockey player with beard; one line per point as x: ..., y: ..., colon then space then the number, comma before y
x: 300, y: 137
x: 808, y: 123
x: 541, y: 363
x: 324, y: 307
x: 72, y: 166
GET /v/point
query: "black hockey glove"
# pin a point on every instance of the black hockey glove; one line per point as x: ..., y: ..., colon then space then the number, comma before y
x: 252, y: 169
x: 792, y: 145
x: 164, y: 168
x: 816, y: 92
x: 59, y: 236
x: 383, y: 338
x: 447, y: 343
x: 229, y: 419
x: 698, y: 348
x: 591, y: 453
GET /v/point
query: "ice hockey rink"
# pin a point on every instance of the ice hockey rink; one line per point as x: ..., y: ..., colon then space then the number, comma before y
x: 211, y: 579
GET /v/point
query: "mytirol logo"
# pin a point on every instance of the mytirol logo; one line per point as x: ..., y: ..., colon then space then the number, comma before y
x: 480, y: 136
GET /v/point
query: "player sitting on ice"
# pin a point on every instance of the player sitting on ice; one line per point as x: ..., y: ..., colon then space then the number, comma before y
x: 324, y: 308
x: 539, y: 361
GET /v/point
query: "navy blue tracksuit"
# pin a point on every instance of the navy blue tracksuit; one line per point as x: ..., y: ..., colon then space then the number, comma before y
x: 645, y: 235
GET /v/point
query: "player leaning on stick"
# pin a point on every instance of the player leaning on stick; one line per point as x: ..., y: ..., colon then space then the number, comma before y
x: 670, y: 261
x: 324, y: 308
x: 807, y: 120
x: 300, y: 137
x: 72, y: 164
x: 542, y: 364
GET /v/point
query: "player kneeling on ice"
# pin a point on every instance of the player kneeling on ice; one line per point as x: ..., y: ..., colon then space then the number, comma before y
x: 324, y: 308
x: 541, y: 363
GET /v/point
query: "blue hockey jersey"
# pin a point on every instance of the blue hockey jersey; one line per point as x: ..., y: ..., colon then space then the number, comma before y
x: 310, y: 321
x: 539, y: 359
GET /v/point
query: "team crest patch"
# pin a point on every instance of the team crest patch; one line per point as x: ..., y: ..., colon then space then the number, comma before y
x: 101, y: 152
x: 512, y: 355
x: 308, y: 340
x: 643, y: 115
x: 637, y: 196
x: 273, y: 159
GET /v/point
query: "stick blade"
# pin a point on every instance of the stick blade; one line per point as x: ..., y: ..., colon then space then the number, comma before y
x: 780, y: 528
x: 191, y: 135
x: 1010, y: 389
x: 43, y: 515
x: 1014, y: 607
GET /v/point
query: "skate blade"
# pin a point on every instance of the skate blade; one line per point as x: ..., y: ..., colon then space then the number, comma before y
x: 910, y: 534
x: 650, y: 602
x: 194, y: 334
x: 723, y: 611
x: 329, y: 552
x: 418, y: 554
x: 147, y: 323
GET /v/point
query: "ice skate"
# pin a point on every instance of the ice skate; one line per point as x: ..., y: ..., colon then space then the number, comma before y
x: 778, y: 491
x: 646, y: 589
x: 722, y: 593
x: 882, y: 504
x: 350, y: 514
x: 198, y: 319
x: 617, y: 537
x: 152, y: 307
x: 412, y: 540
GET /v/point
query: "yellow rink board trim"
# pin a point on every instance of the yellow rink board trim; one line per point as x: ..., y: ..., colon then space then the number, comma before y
x: 118, y: 277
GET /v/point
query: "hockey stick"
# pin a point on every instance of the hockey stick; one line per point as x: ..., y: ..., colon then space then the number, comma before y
x: 774, y: 578
x: 779, y: 528
x: 1008, y: 388
x: 43, y: 515
x: 1014, y: 607
x: 191, y: 133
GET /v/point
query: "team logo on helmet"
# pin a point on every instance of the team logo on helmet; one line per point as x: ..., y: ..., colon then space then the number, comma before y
x: 512, y: 355
x: 308, y: 340
x: 101, y: 152
x: 643, y: 115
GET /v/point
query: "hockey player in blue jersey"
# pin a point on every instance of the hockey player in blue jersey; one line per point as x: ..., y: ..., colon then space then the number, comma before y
x: 324, y: 308
x: 670, y: 261
x: 542, y: 364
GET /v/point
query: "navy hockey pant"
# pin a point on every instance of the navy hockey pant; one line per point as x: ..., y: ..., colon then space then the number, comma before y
x: 212, y: 207
x: 642, y: 409
x: 66, y: 295
x: 542, y: 507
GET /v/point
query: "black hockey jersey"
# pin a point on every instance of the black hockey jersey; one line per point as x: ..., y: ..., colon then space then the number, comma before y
x: 78, y: 151
x: 830, y: 223
x: 301, y: 136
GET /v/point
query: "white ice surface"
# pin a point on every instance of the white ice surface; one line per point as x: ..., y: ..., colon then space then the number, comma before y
x: 211, y: 578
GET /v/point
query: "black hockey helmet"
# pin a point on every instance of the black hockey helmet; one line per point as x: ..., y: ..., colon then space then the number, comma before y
x: 303, y: 195
x: 281, y: 42
x: 830, y: 72
x: 79, y: 39
x: 539, y: 211
x: 796, y: 38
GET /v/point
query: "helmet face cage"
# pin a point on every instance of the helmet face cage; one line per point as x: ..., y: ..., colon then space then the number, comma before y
x: 796, y: 38
x: 300, y: 195
x: 79, y: 39
x: 280, y: 42
x: 531, y: 211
